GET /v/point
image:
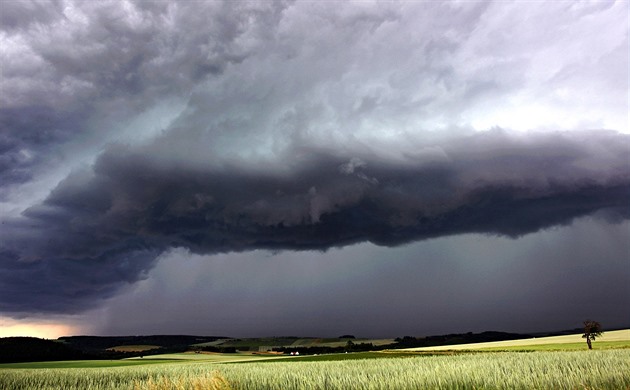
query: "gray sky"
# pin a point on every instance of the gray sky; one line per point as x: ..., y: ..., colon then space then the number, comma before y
x: 314, y: 168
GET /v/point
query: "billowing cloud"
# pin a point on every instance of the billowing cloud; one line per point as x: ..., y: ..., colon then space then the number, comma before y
x: 71, y: 71
x: 110, y: 222
x: 131, y: 128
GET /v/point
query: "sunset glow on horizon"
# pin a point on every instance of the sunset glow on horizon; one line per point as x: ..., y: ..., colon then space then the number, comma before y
x: 39, y: 328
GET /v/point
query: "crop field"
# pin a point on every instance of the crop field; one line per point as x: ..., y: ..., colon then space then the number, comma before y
x: 606, y: 369
x: 542, y: 363
x: 133, y: 348
x: 615, y: 338
x: 209, y: 357
x: 268, y: 343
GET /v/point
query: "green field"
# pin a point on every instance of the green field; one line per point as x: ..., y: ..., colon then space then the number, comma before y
x: 208, y: 357
x: 598, y: 345
x: 541, y: 363
x: 85, y: 364
x: 606, y: 369
x: 618, y: 338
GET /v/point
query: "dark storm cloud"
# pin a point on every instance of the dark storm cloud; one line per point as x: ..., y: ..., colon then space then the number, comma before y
x: 103, y: 227
x: 65, y: 285
x: 68, y: 69
x: 547, y: 280
x: 27, y: 133
x: 22, y: 14
x: 293, y: 125
x: 76, y: 73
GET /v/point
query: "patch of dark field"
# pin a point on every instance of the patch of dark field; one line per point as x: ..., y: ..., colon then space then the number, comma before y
x: 361, y: 355
x: 88, y: 363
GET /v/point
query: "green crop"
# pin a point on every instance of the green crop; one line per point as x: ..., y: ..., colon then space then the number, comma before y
x: 604, y: 369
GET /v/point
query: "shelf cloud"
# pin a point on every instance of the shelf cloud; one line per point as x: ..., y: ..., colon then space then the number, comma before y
x: 132, y: 205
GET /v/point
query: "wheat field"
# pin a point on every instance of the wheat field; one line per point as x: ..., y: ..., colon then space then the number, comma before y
x: 609, y: 369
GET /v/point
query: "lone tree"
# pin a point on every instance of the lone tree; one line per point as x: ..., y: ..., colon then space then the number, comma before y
x: 592, y: 330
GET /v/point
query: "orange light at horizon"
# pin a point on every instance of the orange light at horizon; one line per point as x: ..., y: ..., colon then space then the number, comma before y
x: 44, y: 329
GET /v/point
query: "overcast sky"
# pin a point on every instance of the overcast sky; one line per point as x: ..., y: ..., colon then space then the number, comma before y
x: 313, y: 168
